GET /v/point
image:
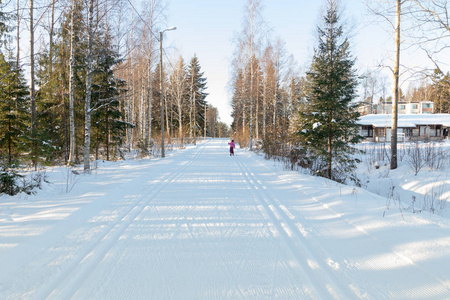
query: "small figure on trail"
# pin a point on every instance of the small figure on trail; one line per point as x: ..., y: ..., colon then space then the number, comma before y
x: 232, y: 146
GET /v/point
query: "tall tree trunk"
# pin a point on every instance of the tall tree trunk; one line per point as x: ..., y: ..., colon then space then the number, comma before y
x: 52, y: 26
x: 32, y: 89
x: 275, y: 100
x: 251, y: 76
x: 18, y: 35
x: 107, y: 131
x: 71, y: 87
x: 191, y: 106
x: 264, y: 107
x: 148, y: 120
x: 257, y: 107
x: 396, y: 89
x: 180, y: 123
x: 87, y: 129
x: 195, y: 115
x: 330, y: 147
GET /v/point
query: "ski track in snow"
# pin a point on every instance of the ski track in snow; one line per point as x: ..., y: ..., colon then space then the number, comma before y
x: 202, y: 225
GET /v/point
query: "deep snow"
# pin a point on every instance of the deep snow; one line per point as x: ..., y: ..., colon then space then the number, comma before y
x: 200, y: 224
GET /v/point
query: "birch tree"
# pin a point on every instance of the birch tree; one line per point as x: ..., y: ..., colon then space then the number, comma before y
x: 384, y: 10
x: 432, y: 28
x: 178, y: 89
x: 248, y: 44
x: 32, y: 89
x: 87, y: 109
x: 71, y: 85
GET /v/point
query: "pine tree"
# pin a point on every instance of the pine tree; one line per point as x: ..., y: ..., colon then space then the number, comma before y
x: 328, y: 126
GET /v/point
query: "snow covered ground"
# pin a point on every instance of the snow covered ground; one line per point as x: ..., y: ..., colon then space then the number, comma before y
x: 200, y: 224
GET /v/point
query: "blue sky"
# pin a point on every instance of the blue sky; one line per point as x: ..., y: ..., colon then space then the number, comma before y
x: 207, y: 27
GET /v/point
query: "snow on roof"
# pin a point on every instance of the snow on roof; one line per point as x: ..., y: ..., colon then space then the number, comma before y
x: 405, y: 120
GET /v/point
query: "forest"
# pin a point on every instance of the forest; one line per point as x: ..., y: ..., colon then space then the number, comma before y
x: 85, y: 80
x: 82, y: 81
x: 308, y: 116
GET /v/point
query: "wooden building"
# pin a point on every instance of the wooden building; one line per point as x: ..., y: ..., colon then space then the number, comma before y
x: 410, y: 127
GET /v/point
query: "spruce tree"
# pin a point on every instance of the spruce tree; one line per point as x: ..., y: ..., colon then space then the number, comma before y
x: 197, y: 84
x: 4, y: 28
x: 52, y: 98
x: 328, y: 126
x: 14, y: 116
x: 108, y: 128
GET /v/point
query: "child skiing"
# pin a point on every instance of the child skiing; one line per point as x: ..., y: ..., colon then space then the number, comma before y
x: 232, y: 146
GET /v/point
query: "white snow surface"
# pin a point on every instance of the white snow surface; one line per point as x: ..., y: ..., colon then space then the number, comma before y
x: 200, y: 224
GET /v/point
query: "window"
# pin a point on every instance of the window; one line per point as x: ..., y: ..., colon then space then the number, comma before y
x: 367, y: 131
x: 402, y: 106
x: 427, y: 105
x: 415, y: 106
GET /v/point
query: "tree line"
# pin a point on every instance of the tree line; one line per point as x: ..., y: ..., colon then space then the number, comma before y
x: 87, y: 86
x: 308, y: 118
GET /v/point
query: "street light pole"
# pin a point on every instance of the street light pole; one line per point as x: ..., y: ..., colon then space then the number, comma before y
x: 161, y: 77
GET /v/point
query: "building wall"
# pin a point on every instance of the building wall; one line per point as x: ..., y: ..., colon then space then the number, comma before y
x: 426, y: 107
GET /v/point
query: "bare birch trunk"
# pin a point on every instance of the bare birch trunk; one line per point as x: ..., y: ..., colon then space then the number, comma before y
x: 257, y: 109
x: 18, y: 35
x: 180, y: 123
x: 396, y: 89
x: 264, y: 107
x: 32, y: 88
x: 275, y: 100
x: 87, y: 129
x: 71, y: 82
x: 148, y: 120
x: 52, y: 27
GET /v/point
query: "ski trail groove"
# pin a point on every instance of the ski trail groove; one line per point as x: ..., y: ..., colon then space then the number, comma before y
x: 66, y: 284
x: 296, y: 242
x: 383, y: 293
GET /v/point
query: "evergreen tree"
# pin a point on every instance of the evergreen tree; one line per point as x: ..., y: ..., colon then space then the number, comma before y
x: 440, y: 91
x: 108, y: 128
x: 328, y: 125
x: 197, y: 84
x: 52, y: 98
x: 4, y: 28
x: 14, y: 115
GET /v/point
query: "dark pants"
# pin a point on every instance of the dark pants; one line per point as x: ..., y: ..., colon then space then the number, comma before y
x: 231, y: 151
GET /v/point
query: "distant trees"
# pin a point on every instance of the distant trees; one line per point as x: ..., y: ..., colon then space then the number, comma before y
x: 313, y: 115
x: 96, y: 83
x: 265, y: 85
x: 440, y: 91
x: 197, y: 95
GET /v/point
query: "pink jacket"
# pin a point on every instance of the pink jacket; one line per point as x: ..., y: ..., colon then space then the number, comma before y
x: 232, y: 144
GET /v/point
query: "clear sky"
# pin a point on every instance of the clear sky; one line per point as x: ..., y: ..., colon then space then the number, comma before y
x: 207, y: 28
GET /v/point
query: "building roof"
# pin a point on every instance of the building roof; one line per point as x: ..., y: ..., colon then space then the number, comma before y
x: 405, y: 120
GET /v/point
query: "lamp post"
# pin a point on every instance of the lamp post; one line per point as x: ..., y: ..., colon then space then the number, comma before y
x: 161, y: 77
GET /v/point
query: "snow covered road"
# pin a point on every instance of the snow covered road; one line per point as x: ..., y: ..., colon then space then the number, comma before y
x: 200, y: 224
